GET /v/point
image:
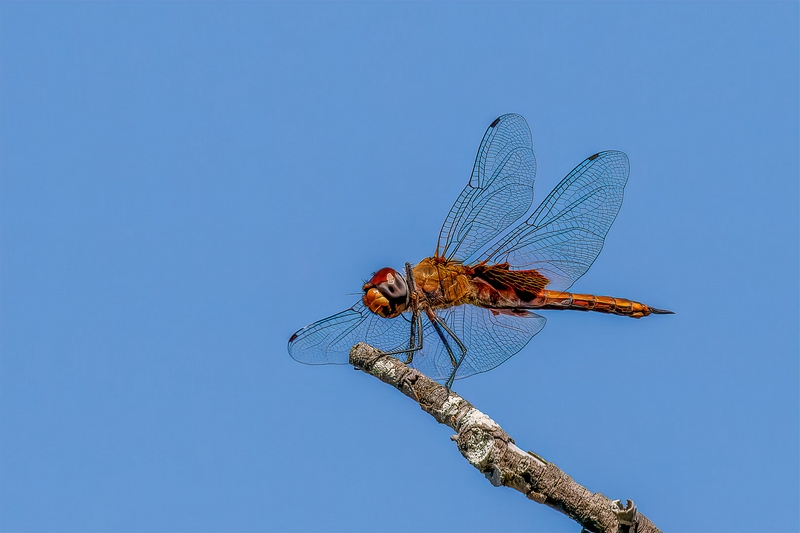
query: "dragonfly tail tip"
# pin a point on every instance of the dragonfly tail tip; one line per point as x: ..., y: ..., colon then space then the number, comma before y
x: 657, y: 311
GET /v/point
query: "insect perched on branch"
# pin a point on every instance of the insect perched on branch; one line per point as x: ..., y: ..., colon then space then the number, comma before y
x: 469, y: 307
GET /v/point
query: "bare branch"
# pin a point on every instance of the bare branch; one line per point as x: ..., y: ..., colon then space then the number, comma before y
x: 488, y: 448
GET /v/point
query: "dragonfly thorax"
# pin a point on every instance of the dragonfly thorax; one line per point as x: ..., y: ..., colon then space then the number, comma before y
x: 386, y: 293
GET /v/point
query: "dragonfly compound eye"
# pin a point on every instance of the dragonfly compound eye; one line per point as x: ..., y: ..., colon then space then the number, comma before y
x: 386, y: 294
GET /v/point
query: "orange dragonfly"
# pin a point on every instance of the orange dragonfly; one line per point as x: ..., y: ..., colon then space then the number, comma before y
x: 469, y: 308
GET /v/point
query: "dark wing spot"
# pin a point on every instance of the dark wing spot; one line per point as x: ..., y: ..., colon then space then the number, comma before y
x: 493, y: 124
x: 593, y: 157
x: 525, y: 283
x: 293, y: 337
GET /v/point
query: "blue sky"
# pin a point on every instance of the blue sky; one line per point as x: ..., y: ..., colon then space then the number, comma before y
x: 185, y: 184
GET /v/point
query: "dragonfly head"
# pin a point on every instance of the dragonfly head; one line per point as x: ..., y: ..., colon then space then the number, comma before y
x: 386, y: 293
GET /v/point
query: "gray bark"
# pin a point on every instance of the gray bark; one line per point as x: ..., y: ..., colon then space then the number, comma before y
x: 488, y: 448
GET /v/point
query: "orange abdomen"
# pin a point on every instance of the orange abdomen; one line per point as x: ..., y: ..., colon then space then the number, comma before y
x: 590, y: 302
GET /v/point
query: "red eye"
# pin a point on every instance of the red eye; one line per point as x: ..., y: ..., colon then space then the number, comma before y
x: 384, y: 275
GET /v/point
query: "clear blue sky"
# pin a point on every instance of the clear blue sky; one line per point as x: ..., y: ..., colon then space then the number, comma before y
x: 185, y: 184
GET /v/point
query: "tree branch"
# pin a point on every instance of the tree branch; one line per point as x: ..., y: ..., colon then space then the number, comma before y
x: 488, y: 448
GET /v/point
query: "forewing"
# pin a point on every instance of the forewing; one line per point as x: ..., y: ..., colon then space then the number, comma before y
x: 499, y: 192
x: 490, y: 340
x: 563, y: 237
x: 328, y: 341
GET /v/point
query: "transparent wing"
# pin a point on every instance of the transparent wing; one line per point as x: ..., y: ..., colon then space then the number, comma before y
x: 498, y: 194
x: 563, y: 237
x: 490, y: 340
x: 328, y: 341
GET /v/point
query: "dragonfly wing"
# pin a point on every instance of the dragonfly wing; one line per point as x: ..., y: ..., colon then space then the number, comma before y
x: 491, y: 337
x: 563, y: 237
x: 328, y: 341
x: 498, y: 194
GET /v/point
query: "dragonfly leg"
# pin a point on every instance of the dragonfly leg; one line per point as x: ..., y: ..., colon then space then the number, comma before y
x: 412, y: 349
x: 415, y: 338
x: 416, y: 330
x: 438, y: 326
x: 438, y: 330
x: 416, y: 321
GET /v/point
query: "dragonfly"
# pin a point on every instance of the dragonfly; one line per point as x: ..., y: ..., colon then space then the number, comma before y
x: 470, y: 307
